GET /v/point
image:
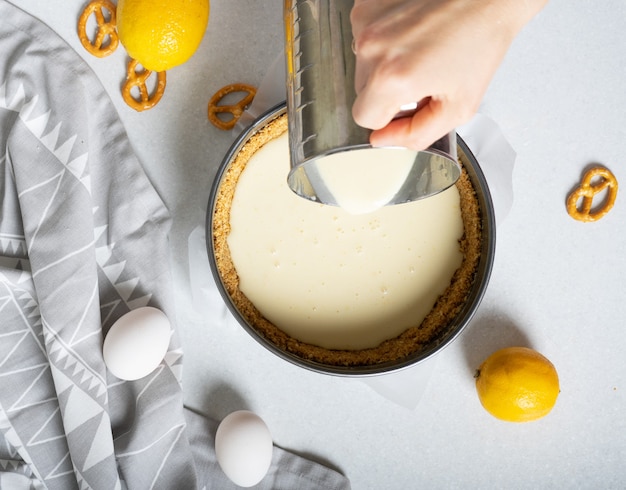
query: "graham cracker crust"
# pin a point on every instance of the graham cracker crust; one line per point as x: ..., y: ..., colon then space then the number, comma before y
x: 425, y: 335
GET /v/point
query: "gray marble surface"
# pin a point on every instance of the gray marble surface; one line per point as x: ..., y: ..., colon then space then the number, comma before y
x: 557, y: 284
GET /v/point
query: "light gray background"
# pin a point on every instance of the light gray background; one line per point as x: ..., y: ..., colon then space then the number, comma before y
x: 557, y: 284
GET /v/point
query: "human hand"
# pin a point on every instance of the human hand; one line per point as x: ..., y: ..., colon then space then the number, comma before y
x: 441, y: 53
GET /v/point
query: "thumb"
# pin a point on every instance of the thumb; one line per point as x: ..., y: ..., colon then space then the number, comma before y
x: 419, y: 131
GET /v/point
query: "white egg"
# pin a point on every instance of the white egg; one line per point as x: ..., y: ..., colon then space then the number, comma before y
x: 244, y: 446
x: 137, y: 343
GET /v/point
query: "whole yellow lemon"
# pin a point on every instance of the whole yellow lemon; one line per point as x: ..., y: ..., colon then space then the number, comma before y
x: 517, y: 384
x: 161, y: 34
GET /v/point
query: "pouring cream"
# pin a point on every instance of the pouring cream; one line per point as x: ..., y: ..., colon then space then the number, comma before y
x: 356, y: 182
x: 335, y: 279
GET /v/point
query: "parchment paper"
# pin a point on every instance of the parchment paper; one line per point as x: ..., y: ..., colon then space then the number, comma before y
x: 496, y: 158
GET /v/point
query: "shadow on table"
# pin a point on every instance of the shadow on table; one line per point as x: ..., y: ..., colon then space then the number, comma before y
x: 223, y: 399
x: 488, y: 333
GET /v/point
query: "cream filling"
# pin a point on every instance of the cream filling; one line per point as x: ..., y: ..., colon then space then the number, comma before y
x: 335, y: 279
x: 354, y: 178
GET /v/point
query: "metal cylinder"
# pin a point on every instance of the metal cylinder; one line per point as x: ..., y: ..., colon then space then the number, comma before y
x: 320, y: 67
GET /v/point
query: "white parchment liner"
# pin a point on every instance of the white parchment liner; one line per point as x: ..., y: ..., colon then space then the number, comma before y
x: 492, y: 151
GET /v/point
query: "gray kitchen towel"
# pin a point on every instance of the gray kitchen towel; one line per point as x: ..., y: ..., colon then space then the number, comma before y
x: 83, y: 240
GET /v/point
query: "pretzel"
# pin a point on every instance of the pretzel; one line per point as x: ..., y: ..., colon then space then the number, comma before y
x: 587, y: 190
x: 138, y: 79
x: 235, y: 109
x: 104, y: 29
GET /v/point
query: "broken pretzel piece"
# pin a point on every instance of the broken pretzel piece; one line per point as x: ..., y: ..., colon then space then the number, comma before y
x: 236, y: 109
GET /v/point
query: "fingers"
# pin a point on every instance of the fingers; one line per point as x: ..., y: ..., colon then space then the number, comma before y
x: 427, y: 125
x: 404, y: 51
x: 367, y: 12
x: 372, y: 115
x: 382, y: 61
x: 382, y: 94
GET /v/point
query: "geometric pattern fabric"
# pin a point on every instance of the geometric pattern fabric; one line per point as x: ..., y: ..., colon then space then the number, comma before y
x: 83, y: 240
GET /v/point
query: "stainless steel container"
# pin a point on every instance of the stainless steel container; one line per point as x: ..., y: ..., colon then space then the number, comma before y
x: 320, y: 67
x: 461, y: 320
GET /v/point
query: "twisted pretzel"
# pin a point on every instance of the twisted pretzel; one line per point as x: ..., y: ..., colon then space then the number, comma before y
x: 138, y: 79
x: 587, y: 191
x: 104, y: 29
x: 236, y: 109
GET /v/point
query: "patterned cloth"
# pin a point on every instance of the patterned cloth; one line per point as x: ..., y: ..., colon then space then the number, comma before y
x: 83, y: 240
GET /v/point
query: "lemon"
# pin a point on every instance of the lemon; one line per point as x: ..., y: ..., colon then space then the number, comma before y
x: 161, y: 34
x: 517, y: 384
